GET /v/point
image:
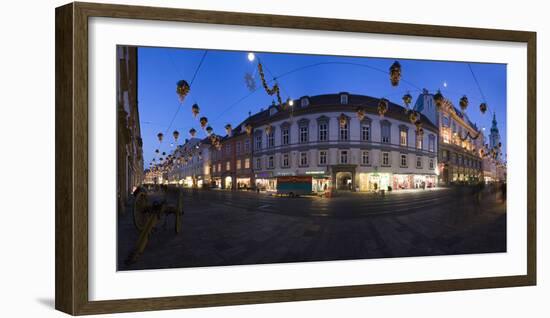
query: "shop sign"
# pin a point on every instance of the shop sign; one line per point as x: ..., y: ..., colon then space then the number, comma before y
x: 316, y: 172
x: 282, y: 174
x: 265, y: 174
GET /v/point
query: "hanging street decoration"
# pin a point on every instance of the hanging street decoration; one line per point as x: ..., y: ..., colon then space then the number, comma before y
x: 407, y: 100
x: 343, y: 120
x: 182, y: 89
x: 395, y: 73
x: 360, y: 113
x: 228, y: 129
x: 270, y: 91
x: 157, y: 151
x: 438, y: 99
x: 419, y: 130
x: 413, y: 117
x: 176, y: 135
x: 160, y: 136
x: 248, y: 129
x: 250, y: 82
x: 204, y: 122
x: 468, y: 135
x: 209, y: 130
x: 195, y: 109
x: 382, y: 107
x: 483, y: 108
x: 463, y: 103
x: 192, y: 132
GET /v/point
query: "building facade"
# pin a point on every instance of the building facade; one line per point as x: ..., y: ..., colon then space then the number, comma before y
x: 193, y: 164
x: 232, y: 162
x: 130, y: 173
x: 460, y: 141
x: 326, y: 138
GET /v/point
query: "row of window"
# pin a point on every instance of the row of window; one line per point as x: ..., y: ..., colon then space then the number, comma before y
x: 240, y: 164
x: 460, y: 160
x: 343, y: 135
x: 343, y: 158
x: 241, y: 147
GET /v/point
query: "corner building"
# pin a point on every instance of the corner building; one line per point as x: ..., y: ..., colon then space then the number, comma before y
x: 324, y: 137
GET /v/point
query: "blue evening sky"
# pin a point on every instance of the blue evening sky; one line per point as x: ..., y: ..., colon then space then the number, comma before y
x: 219, y: 87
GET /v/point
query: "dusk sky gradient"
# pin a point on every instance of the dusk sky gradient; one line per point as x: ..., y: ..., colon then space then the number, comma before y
x: 220, y: 84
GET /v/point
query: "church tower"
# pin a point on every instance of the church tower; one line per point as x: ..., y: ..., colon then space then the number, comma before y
x: 494, y: 137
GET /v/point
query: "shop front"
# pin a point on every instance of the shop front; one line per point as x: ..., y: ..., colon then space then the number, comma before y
x: 217, y: 182
x: 188, y: 182
x: 320, y: 180
x: 265, y: 181
x: 243, y: 183
x: 228, y: 182
x: 374, y: 181
x: 403, y: 181
x: 424, y: 181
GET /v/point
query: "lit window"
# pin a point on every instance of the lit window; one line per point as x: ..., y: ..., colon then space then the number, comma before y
x: 445, y: 121
x: 228, y: 166
x: 418, y: 141
x: 247, y: 163
x: 238, y: 164
x: 403, y: 137
x: 322, y: 157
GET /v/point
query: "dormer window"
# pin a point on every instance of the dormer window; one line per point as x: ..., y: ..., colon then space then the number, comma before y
x: 272, y: 111
x: 343, y: 99
x: 304, y: 102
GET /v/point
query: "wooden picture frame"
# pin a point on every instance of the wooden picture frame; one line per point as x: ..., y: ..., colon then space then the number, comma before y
x: 72, y: 280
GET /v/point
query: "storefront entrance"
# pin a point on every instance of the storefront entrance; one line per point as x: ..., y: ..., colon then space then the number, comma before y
x: 228, y: 183
x: 344, y: 181
x: 343, y: 177
x: 374, y: 181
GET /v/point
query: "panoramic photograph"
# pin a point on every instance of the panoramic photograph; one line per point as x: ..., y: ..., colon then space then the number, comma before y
x: 242, y: 158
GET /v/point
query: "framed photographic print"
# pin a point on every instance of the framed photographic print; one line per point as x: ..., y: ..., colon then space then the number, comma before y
x: 211, y: 158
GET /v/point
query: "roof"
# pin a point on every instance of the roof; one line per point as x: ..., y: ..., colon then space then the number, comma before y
x: 331, y: 102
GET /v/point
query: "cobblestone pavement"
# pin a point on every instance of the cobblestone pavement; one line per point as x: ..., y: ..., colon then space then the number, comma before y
x: 235, y: 228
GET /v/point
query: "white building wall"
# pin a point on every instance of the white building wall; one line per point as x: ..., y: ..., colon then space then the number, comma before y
x: 354, y: 146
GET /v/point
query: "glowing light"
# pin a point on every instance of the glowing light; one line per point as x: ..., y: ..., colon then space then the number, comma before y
x: 445, y: 84
x: 291, y: 102
x: 251, y: 56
